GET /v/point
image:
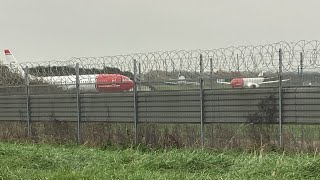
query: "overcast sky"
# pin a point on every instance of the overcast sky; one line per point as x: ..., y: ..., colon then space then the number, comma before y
x: 41, y: 30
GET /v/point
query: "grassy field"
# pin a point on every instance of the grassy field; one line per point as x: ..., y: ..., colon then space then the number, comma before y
x: 29, y: 161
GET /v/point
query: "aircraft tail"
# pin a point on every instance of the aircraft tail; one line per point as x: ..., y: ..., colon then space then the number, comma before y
x: 12, y: 63
x: 261, y: 74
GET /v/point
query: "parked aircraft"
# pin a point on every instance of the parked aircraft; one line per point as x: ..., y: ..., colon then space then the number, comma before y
x: 249, y: 82
x: 96, y: 82
x: 181, y: 81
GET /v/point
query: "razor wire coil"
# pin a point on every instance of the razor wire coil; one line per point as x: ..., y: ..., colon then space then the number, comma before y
x: 154, y: 65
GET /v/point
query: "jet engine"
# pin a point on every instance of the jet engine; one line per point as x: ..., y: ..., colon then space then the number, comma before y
x: 253, y: 85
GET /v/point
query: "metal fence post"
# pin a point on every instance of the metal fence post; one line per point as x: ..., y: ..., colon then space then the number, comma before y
x: 78, y: 104
x: 201, y: 102
x: 238, y: 64
x: 280, y: 98
x: 135, y: 104
x: 301, y: 63
x: 211, y: 72
x: 26, y: 76
x: 139, y: 70
x: 301, y: 77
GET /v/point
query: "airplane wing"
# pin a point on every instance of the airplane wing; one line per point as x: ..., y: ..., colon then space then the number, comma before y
x: 268, y: 82
x: 192, y: 83
x: 188, y: 79
x: 219, y: 82
x: 171, y: 83
x: 286, y: 79
x: 222, y: 81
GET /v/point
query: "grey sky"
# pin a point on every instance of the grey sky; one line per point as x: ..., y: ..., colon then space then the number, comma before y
x: 37, y: 30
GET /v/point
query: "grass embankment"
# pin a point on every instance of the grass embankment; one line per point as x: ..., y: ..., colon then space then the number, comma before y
x: 23, y: 161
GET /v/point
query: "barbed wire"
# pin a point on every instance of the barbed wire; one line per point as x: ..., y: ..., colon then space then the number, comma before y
x: 166, y: 64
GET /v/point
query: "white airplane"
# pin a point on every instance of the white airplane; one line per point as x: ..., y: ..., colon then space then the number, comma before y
x: 249, y: 82
x: 181, y: 81
x: 92, y: 82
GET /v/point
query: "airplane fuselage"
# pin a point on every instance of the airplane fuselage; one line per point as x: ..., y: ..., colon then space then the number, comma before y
x: 246, y: 82
x: 94, y: 82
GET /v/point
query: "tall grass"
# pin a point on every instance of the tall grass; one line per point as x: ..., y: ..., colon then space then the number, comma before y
x: 30, y: 161
x: 221, y: 136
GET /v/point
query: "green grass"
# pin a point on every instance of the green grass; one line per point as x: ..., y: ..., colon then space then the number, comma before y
x: 29, y: 161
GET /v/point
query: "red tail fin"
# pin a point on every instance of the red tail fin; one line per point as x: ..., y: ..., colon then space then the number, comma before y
x: 7, y: 52
x: 12, y: 63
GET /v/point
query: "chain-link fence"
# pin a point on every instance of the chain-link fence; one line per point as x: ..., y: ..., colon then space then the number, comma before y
x: 236, y: 97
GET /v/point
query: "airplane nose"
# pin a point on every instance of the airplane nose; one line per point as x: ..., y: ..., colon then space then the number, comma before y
x: 237, y: 82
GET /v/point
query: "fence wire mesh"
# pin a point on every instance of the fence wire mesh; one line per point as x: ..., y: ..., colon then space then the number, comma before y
x: 175, y: 101
x: 161, y: 66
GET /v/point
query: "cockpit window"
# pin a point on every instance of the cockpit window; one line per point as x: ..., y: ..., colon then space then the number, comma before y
x: 125, y: 79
